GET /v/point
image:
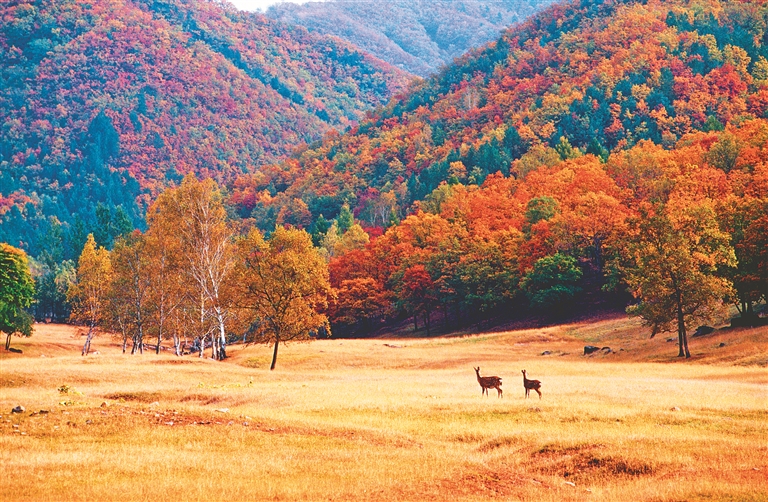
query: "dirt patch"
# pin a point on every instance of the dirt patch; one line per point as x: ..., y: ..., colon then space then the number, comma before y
x: 487, y: 483
x: 582, y: 462
x: 202, y: 398
x: 140, y: 397
x: 501, y: 442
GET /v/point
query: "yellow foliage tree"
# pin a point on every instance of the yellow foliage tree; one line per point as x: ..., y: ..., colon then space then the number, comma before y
x: 88, y: 294
x: 284, y: 283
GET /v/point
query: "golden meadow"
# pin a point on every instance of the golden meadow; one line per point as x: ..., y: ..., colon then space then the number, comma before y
x: 390, y: 419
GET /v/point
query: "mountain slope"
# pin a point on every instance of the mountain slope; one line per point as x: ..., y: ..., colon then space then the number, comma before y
x: 599, y: 76
x: 104, y: 101
x: 418, y: 36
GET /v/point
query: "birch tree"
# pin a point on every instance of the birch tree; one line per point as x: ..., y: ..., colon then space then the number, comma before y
x: 170, y: 287
x: 132, y: 279
x: 88, y: 294
x: 196, y: 215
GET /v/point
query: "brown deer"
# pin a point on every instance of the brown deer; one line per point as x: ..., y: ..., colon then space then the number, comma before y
x: 491, y: 382
x: 531, y: 384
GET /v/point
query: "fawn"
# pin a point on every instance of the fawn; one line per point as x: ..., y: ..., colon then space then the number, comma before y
x: 491, y: 382
x: 531, y: 384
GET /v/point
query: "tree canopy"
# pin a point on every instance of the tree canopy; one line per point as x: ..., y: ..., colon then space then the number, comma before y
x: 17, y: 292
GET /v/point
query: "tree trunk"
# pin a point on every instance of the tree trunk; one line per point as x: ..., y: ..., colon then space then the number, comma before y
x: 222, y: 336
x: 415, y: 322
x: 8, y: 342
x: 87, y: 345
x: 426, y: 318
x: 682, y: 337
x: 274, y: 354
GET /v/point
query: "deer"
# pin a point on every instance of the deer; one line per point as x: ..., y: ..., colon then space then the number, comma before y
x: 490, y: 382
x: 531, y: 384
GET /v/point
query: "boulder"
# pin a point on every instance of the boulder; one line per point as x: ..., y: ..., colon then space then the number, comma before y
x: 703, y: 330
x: 19, y: 409
x: 588, y: 349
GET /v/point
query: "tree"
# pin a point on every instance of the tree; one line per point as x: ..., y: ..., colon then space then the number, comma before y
x: 416, y: 292
x: 359, y: 301
x: 170, y: 288
x: 553, y: 282
x: 675, y: 250
x: 196, y: 216
x: 88, y: 294
x: 746, y: 220
x: 17, y: 292
x: 131, y: 282
x: 284, y: 283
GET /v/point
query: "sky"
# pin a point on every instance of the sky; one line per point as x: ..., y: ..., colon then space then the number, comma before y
x: 262, y: 5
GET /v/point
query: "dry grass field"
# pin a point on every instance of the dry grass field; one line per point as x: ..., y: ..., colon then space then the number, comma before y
x: 390, y: 419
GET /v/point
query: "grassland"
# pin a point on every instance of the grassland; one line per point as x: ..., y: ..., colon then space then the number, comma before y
x: 396, y: 419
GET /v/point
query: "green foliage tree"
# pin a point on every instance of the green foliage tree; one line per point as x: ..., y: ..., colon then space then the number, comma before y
x: 553, y: 283
x: 345, y: 219
x: 17, y: 292
x: 674, y: 253
x: 539, y: 209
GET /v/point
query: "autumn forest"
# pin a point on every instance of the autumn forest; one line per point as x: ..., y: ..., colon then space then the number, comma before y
x: 169, y: 164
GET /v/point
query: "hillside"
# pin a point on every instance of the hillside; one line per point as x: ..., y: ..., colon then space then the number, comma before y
x: 603, y: 75
x: 544, y: 153
x: 417, y: 36
x: 108, y: 102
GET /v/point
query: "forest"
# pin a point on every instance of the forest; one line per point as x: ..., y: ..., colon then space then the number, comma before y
x: 105, y: 103
x: 601, y: 155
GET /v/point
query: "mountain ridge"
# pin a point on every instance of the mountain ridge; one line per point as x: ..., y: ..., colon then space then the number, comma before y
x: 110, y: 102
x: 419, y: 37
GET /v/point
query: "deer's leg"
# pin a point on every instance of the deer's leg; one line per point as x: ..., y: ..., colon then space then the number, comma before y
x: 537, y: 390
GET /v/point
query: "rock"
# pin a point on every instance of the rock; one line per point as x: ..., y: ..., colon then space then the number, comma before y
x: 156, y: 403
x: 703, y: 330
x: 588, y: 349
x: 569, y: 483
x: 105, y: 404
x: 671, y: 340
x: 607, y: 350
x: 546, y: 353
x: 223, y: 410
x: 674, y: 408
x: 19, y: 409
x: 722, y: 344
